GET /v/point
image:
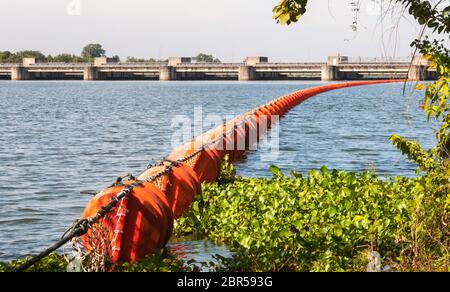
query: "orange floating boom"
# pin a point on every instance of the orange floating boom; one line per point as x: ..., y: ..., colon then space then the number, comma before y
x: 142, y: 222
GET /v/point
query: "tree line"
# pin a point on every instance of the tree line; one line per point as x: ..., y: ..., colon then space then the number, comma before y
x: 87, y: 55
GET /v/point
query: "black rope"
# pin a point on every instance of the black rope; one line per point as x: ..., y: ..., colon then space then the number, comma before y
x: 81, y: 228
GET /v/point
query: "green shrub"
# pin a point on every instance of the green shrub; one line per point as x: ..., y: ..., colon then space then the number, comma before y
x: 327, y: 221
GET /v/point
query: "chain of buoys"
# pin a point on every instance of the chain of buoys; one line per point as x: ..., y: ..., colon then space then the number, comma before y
x: 146, y: 221
x: 137, y: 215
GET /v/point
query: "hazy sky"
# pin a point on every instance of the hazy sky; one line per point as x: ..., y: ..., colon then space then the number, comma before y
x: 229, y: 29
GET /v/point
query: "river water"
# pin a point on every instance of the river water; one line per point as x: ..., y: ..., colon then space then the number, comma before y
x: 60, y: 138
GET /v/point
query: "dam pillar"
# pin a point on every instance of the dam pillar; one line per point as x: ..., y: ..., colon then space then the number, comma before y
x: 90, y: 73
x: 418, y: 72
x: 330, y: 73
x: 167, y: 73
x: 20, y: 73
x: 247, y: 73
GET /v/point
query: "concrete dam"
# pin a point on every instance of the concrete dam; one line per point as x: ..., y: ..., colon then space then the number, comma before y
x: 253, y: 68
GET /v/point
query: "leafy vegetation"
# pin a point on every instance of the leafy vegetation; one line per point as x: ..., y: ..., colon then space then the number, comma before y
x: 88, y: 53
x: 205, y: 58
x: 91, y: 51
x: 9, y: 57
x: 289, y: 11
x: 162, y: 261
x: 65, y: 58
x: 327, y: 221
x: 52, y: 263
x: 141, y: 60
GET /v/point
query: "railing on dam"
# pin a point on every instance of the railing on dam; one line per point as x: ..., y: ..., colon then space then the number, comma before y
x: 382, y: 60
x: 208, y: 65
x: 7, y: 65
x: 136, y: 65
x: 253, y: 68
x: 290, y: 64
x: 58, y: 65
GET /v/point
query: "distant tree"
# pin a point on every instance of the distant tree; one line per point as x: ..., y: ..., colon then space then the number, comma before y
x: 9, y: 57
x: 65, y: 58
x: 205, y: 58
x: 140, y: 60
x: 116, y: 58
x: 92, y: 51
x: 30, y: 54
x: 6, y: 57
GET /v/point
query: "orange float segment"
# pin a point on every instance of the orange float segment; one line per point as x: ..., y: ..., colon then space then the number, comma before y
x: 281, y: 107
x: 257, y: 120
x: 207, y: 166
x: 273, y: 109
x: 140, y: 224
x: 267, y: 114
x: 263, y: 122
x: 180, y: 185
x: 238, y: 134
x: 217, y: 142
x: 184, y: 150
x: 228, y: 143
x: 289, y: 101
x: 181, y: 188
x: 251, y: 129
x: 239, y: 141
x: 148, y: 227
x: 103, y: 239
x: 206, y: 163
x: 281, y: 104
x: 151, y: 172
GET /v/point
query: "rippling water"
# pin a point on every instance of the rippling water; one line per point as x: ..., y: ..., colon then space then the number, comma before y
x: 59, y: 138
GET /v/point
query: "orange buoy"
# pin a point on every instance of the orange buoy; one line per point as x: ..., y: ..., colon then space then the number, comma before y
x: 257, y: 121
x: 263, y: 122
x: 139, y: 225
x: 267, y: 114
x: 239, y: 141
x: 273, y: 110
x: 180, y: 186
x: 238, y: 135
x: 280, y: 107
x: 206, y: 164
x: 228, y: 143
x: 251, y: 129
x: 288, y: 102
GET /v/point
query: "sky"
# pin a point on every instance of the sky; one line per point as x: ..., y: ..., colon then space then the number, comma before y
x: 228, y: 29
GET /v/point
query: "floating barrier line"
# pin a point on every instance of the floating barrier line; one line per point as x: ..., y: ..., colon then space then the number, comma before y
x: 143, y: 222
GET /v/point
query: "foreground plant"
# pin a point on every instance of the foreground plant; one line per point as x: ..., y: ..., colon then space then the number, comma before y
x: 327, y: 221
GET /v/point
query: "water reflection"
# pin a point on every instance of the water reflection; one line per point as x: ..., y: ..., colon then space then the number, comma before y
x: 198, y: 250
